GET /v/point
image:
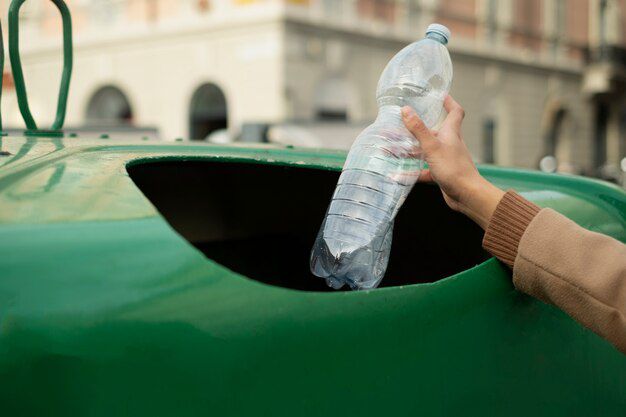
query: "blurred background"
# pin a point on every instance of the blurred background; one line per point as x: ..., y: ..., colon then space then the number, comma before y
x: 543, y: 82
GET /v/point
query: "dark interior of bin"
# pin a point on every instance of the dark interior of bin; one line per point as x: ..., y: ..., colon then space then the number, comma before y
x: 261, y: 221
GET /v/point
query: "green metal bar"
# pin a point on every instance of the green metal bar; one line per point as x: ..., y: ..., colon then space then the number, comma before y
x: 16, y: 64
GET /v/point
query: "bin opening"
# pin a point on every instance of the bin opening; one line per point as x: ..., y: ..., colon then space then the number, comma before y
x: 261, y: 221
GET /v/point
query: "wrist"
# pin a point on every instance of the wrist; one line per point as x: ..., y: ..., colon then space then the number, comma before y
x: 482, y: 199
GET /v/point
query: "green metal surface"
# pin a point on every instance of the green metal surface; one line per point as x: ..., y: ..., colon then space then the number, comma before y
x: 16, y: 65
x: 106, y: 311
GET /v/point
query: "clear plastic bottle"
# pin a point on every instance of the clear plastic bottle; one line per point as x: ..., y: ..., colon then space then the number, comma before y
x: 354, y: 241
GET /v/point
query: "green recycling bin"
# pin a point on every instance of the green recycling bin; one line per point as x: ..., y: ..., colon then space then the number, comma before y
x: 141, y: 278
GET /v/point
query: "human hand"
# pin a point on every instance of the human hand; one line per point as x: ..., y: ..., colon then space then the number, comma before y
x: 450, y: 165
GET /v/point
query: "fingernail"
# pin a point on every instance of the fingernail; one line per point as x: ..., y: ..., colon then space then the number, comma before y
x: 406, y: 111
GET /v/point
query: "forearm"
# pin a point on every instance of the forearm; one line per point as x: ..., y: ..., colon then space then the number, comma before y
x: 480, y: 201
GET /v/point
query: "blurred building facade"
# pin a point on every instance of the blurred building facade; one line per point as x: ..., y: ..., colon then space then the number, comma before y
x: 537, y: 78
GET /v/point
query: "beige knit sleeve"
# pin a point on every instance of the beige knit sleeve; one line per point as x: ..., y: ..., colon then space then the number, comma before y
x: 555, y: 260
x: 507, y: 226
x: 580, y: 271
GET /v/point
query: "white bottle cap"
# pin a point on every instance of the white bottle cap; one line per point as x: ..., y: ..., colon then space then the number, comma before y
x: 439, y: 29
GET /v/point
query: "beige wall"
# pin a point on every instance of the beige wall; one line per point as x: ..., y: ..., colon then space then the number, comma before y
x: 272, y: 58
x: 245, y: 62
x: 514, y: 95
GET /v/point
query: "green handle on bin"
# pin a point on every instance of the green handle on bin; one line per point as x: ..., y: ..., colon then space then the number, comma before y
x: 16, y: 64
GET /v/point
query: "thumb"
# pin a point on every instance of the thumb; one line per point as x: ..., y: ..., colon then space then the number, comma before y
x: 416, y: 126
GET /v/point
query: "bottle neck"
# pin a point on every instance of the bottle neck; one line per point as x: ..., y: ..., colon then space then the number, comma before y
x: 390, y: 114
x: 437, y: 37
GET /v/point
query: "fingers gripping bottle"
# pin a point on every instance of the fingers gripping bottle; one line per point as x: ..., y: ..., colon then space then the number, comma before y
x: 354, y: 241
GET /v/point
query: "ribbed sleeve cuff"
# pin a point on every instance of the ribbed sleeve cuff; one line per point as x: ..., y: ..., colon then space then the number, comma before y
x: 507, y: 226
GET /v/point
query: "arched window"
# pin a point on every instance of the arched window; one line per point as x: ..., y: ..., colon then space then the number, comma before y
x: 109, y: 106
x: 554, y: 132
x: 555, y: 153
x: 601, y: 128
x: 208, y: 111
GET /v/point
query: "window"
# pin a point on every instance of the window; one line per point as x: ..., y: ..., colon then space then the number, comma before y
x: 489, y: 135
x: 560, y: 19
x: 527, y: 24
x: 553, y: 144
x: 413, y: 12
x: 554, y: 132
x: 109, y: 106
x: 492, y: 19
x: 601, y: 125
x: 381, y: 10
x: 331, y: 99
x: 203, y: 6
x: 602, y: 21
x: 331, y: 115
x: 208, y: 112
